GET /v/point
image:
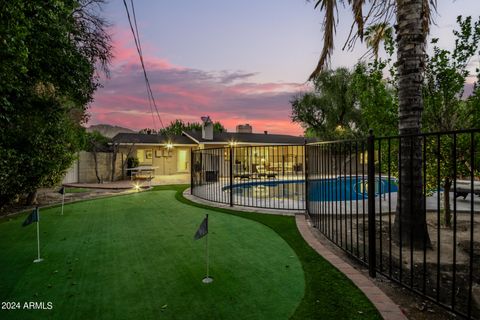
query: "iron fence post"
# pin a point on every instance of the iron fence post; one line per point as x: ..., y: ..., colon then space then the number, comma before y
x: 191, y: 171
x: 372, y: 250
x: 305, y: 164
x: 231, y: 176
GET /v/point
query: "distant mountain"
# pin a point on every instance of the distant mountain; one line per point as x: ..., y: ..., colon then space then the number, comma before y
x: 107, y: 130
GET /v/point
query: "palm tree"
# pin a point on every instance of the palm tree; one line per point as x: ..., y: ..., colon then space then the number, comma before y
x: 412, y: 26
x: 376, y: 34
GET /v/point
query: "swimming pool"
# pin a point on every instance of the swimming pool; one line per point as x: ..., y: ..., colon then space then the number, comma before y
x: 332, y: 189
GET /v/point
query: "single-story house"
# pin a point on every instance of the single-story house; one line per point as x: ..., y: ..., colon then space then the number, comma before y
x: 170, y: 155
x: 168, y: 158
x: 166, y: 155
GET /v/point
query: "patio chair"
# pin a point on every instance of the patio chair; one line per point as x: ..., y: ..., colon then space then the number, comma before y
x: 238, y: 172
x: 264, y: 173
x: 464, y: 189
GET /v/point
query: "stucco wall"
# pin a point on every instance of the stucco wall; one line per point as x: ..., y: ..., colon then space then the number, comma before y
x: 86, y: 166
x: 165, y: 161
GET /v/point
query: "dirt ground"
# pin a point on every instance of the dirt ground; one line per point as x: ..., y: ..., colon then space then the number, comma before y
x: 50, y: 196
x: 413, y: 305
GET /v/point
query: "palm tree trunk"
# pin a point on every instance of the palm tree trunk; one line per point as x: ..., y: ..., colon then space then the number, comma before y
x: 410, y: 226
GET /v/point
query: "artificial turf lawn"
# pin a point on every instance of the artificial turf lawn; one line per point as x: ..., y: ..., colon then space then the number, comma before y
x: 134, y: 256
x: 328, y: 293
x: 131, y: 257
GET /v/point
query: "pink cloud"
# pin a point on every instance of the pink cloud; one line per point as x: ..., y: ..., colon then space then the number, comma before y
x: 258, y: 88
x: 125, y: 52
x: 188, y: 94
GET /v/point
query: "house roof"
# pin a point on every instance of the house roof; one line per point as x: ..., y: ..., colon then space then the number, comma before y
x: 140, y: 138
x: 195, y: 137
x: 245, y: 138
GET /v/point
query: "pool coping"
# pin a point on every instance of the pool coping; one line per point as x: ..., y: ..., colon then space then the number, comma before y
x: 279, y: 212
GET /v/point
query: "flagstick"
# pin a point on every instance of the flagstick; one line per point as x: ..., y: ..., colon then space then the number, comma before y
x: 38, y: 241
x: 206, y: 245
x: 207, y: 279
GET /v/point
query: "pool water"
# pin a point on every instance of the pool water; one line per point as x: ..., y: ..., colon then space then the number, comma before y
x: 346, y: 188
x: 333, y: 189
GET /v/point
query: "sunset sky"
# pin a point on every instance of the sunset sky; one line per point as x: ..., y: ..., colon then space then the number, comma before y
x: 236, y: 61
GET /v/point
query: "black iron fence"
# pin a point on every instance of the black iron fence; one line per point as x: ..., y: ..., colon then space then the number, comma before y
x: 408, y: 207
x: 255, y: 176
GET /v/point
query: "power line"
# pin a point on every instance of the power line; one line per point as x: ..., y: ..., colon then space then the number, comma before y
x: 136, y: 38
x: 139, y: 48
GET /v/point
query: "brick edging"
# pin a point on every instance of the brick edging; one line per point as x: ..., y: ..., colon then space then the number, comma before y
x: 387, y: 308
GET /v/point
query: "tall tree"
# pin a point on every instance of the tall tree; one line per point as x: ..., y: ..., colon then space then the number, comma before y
x: 412, y: 26
x: 49, y: 56
x: 410, y: 221
x: 346, y: 104
x: 445, y: 108
x: 375, y: 35
x: 176, y: 127
x: 376, y: 99
x: 330, y: 110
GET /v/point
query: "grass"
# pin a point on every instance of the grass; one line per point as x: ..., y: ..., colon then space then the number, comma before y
x: 130, y: 257
x: 328, y: 293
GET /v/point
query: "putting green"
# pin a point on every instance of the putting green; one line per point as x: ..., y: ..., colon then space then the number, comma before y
x: 134, y: 257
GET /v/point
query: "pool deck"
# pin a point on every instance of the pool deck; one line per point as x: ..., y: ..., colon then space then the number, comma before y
x: 187, y: 194
x: 219, y: 192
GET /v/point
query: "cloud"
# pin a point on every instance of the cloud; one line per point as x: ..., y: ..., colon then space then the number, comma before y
x: 187, y: 93
x: 229, y: 77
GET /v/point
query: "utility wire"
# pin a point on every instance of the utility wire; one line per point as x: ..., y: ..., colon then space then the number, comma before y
x: 136, y: 38
x: 137, y: 35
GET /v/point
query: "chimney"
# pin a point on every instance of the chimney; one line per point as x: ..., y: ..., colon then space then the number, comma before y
x: 266, y: 132
x: 244, y: 128
x: 207, y: 128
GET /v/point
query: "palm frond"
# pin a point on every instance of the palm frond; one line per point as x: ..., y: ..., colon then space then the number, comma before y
x: 428, y: 5
x: 375, y: 34
x: 357, y: 9
x: 329, y: 28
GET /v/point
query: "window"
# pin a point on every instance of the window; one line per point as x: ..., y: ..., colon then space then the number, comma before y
x: 148, y: 154
x: 141, y: 155
x: 145, y: 156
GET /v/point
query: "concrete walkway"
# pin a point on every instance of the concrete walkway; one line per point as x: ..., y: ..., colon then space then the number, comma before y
x: 116, y: 185
x: 129, y: 184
